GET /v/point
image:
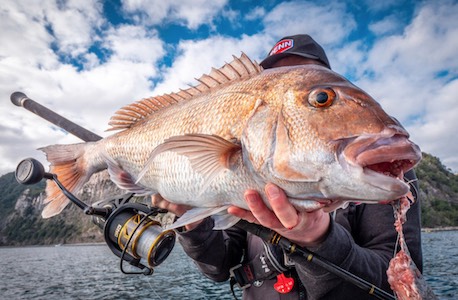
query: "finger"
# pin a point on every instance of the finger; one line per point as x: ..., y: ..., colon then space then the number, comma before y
x: 242, y: 214
x: 285, y: 212
x: 260, y: 211
x: 156, y: 200
x: 178, y: 209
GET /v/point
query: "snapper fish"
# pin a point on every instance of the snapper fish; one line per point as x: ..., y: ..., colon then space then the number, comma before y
x: 305, y: 128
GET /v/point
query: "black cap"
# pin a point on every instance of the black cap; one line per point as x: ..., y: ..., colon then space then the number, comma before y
x: 301, y: 45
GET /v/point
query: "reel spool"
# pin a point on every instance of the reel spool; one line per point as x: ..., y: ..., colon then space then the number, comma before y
x: 134, y: 236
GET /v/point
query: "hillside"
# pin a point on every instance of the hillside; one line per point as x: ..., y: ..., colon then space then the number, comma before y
x: 21, y: 223
x: 438, y: 192
x: 20, y: 214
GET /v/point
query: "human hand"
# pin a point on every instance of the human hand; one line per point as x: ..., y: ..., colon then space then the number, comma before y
x: 177, y: 209
x: 304, y: 228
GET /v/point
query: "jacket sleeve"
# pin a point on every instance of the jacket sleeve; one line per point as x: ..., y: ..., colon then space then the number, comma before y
x: 214, y: 251
x: 362, y: 240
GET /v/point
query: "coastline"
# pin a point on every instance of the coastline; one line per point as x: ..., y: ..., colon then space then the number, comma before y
x: 55, y: 245
x: 435, y: 229
x: 423, y: 230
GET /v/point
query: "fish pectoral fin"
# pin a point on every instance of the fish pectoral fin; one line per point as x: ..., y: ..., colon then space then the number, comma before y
x: 122, y: 178
x: 196, y: 214
x: 224, y: 221
x: 209, y: 155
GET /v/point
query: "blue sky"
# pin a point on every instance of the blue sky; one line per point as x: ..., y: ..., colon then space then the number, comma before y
x: 85, y: 59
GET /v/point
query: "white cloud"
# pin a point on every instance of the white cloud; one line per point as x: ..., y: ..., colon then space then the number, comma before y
x: 69, y: 26
x: 124, y: 77
x: 134, y: 43
x: 435, y: 132
x: 348, y: 59
x: 256, y: 13
x: 385, y: 26
x: 74, y: 24
x: 383, y: 5
x: 231, y: 15
x: 427, y: 46
x: 198, y: 57
x: 25, y: 38
x: 189, y: 13
x: 88, y: 96
x: 327, y: 23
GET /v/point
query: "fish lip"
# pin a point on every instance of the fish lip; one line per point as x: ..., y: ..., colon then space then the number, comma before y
x: 383, y: 157
x: 392, y: 159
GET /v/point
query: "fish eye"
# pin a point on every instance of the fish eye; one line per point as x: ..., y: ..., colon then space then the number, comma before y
x: 321, y: 97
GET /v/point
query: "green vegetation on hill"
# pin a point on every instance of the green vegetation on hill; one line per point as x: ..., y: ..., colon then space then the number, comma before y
x: 10, y: 191
x: 23, y: 225
x: 438, y: 191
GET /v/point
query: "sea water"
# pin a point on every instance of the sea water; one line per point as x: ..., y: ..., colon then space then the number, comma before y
x: 92, y: 272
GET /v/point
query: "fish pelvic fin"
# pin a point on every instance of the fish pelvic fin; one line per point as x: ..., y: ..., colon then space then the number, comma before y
x: 68, y: 163
x: 209, y: 155
x: 196, y: 214
x: 122, y: 178
x: 224, y: 221
x: 240, y: 68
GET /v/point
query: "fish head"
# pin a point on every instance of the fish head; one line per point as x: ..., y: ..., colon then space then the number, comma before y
x: 321, y: 138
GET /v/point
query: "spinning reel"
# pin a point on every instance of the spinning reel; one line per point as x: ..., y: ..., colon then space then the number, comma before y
x: 129, y: 229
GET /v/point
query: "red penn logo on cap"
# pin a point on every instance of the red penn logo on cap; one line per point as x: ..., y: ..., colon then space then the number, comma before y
x: 282, y: 46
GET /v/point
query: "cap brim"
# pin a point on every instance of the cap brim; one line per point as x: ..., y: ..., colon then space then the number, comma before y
x: 269, y: 61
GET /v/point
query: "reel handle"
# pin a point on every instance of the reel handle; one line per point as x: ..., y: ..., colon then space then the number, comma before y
x: 31, y: 171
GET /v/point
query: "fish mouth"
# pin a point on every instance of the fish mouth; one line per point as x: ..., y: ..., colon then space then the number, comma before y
x: 393, y: 158
x: 383, y: 158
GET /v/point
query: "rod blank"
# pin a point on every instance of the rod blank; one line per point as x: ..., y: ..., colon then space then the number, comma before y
x: 20, y: 99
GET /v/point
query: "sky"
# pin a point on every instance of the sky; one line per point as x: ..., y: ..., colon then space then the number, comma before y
x: 85, y: 59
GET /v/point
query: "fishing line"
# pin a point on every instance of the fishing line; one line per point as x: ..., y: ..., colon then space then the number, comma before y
x: 154, y: 290
x: 396, y: 245
x: 412, y: 187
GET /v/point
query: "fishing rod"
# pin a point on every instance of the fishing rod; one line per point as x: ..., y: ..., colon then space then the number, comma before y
x: 29, y: 171
x: 307, y: 256
x: 20, y: 99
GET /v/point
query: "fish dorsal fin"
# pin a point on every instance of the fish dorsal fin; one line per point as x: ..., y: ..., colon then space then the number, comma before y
x: 240, y: 68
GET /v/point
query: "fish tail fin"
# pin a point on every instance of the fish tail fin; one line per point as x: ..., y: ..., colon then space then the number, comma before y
x: 70, y: 166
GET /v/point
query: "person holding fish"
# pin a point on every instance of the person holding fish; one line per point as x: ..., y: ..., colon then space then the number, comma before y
x: 360, y: 238
x: 282, y: 144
